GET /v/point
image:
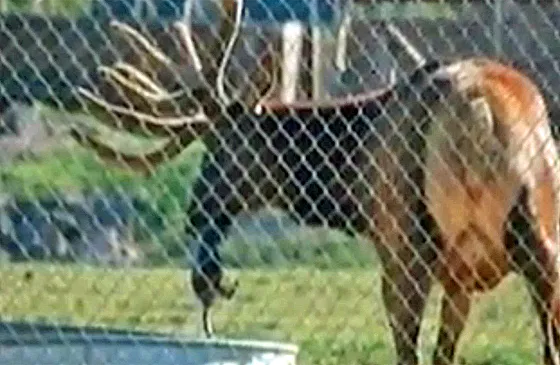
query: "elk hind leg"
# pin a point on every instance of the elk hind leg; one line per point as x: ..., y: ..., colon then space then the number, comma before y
x: 208, y: 222
x: 406, y: 285
x: 455, y: 308
x: 207, y: 273
x: 405, y: 300
x: 535, y: 257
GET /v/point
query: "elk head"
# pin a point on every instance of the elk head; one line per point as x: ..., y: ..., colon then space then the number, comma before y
x: 133, y: 98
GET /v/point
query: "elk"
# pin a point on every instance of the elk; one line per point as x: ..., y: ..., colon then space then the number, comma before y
x: 450, y: 173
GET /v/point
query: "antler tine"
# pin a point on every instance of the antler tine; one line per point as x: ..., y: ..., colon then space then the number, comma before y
x: 141, y: 91
x: 122, y: 71
x: 185, y: 32
x: 145, y: 46
x: 137, y: 122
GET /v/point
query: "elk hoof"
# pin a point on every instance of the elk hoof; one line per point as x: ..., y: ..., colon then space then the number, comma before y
x: 226, y: 289
x: 207, y: 323
x: 230, y: 291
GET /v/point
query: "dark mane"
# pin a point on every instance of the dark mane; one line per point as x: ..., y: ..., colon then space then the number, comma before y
x: 369, y: 103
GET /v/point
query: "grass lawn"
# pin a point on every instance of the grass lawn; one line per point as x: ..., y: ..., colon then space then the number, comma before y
x: 335, y: 316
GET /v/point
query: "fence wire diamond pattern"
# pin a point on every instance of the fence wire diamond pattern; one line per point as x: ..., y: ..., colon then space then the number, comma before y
x: 258, y: 181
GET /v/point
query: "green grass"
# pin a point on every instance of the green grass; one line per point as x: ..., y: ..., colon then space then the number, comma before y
x: 335, y: 316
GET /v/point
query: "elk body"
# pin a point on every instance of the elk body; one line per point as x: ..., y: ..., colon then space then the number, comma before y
x: 450, y: 173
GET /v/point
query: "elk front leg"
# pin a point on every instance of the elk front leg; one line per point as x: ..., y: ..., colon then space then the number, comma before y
x: 406, y: 285
x: 456, y: 304
x: 230, y: 181
x: 207, y: 273
x: 208, y: 223
x: 535, y: 257
x: 404, y: 296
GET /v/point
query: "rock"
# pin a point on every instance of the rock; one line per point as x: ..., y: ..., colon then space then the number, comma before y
x: 93, y: 228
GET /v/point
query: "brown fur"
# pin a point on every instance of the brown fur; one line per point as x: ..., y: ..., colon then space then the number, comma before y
x: 471, y: 203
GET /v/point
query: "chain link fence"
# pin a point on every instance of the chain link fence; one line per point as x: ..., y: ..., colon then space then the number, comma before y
x: 150, y: 169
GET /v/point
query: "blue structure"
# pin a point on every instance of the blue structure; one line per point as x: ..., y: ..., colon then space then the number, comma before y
x: 266, y: 11
x: 167, y: 10
x: 257, y: 12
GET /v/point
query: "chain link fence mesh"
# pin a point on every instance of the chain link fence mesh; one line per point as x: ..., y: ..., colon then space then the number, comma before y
x: 267, y: 207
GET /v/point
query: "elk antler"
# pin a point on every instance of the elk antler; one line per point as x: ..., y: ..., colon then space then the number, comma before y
x: 130, y: 98
x: 133, y: 100
x: 136, y: 87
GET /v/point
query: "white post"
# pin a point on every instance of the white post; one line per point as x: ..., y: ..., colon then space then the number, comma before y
x: 292, y: 45
x: 318, y: 62
x: 317, y: 53
x: 342, y: 38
